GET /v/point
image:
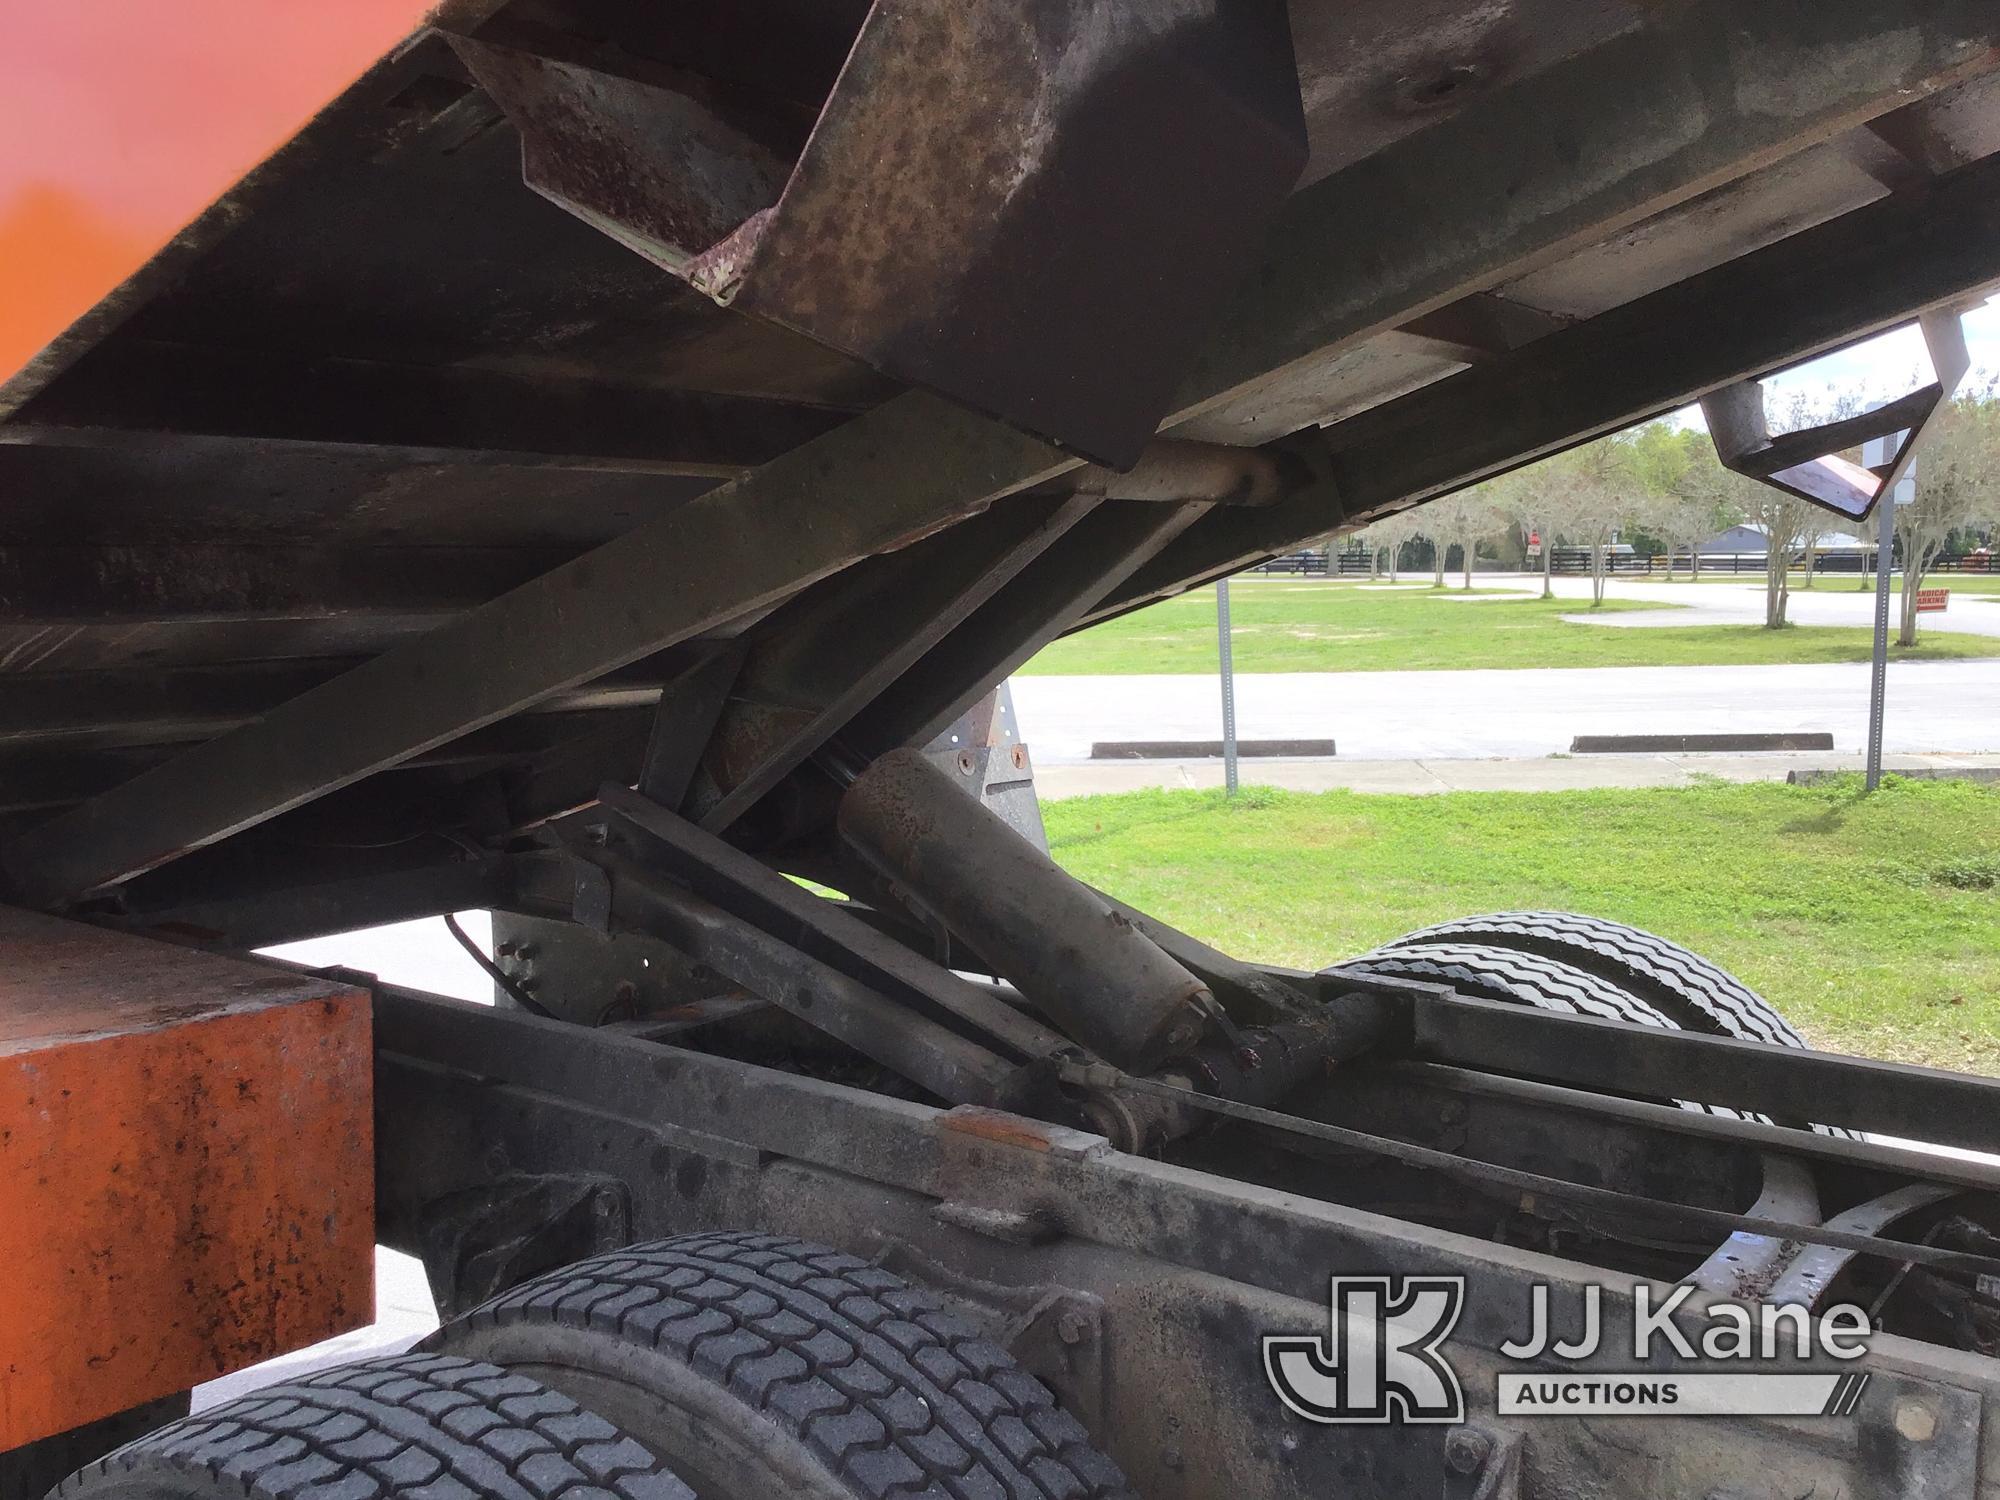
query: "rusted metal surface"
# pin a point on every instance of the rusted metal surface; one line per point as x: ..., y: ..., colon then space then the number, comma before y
x: 186, y: 1169
x: 657, y: 168
x: 1745, y: 1264
x: 1003, y: 1129
x: 1031, y: 210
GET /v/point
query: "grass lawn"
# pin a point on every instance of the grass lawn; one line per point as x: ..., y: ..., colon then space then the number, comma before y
x: 1281, y: 626
x: 1873, y: 923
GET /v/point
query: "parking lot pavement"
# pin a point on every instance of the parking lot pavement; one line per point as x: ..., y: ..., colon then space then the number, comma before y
x: 1934, y: 706
x: 1832, y: 600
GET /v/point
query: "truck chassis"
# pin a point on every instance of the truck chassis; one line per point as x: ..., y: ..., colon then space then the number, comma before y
x: 665, y: 621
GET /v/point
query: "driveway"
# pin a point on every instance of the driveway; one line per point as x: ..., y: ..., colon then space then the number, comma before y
x: 1933, y: 706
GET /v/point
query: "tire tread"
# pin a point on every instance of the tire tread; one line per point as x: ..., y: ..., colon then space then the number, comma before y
x: 414, y: 1425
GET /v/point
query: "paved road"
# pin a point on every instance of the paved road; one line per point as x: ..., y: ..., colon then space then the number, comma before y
x: 1933, y: 706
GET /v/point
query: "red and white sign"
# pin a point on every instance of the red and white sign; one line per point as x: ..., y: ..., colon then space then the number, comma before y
x: 1933, y: 601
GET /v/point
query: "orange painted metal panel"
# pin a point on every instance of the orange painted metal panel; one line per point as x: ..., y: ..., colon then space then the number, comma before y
x: 186, y: 1169
x: 123, y: 119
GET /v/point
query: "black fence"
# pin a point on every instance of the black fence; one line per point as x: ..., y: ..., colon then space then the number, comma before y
x: 1711, y: 562
x: 1303, y: 564
x: 1851, y: 561
x: 1577, y: 560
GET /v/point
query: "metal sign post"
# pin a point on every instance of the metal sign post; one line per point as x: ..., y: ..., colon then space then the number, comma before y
x: 1877, y: 453
x: 1228, y: 686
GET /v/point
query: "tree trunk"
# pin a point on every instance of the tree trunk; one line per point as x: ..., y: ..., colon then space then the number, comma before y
x: 1548, y: 564
x: 1812, y: 558
x: 1438, y: 550
x: 1916, y: 558
x: 1776, y: 585
x: 1465, y: 560
x: 1598, y: 560
x: 1374, y: 564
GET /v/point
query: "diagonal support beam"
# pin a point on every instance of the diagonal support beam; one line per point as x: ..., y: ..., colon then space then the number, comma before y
x: 688, y: 712
x: 829, y: 656
x: 1046, y: 600
x: 148, y: 395
x: 868, y: 487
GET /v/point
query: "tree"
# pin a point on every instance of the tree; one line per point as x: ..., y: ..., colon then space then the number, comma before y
x: 1600, y: 491
x: 1710, y: 498
x: 1461, y: 519
x: 1694, y: 497
x: 1532, y: 498
x: 1957, y: 488
x: 1388, y: 535
x: 1787, y: 523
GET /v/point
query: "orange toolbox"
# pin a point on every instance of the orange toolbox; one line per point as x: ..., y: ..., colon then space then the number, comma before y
x: 186, y: 1169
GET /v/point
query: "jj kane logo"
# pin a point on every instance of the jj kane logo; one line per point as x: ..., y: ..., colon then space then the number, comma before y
x: 1379, y: 1361
x: 1381, y: 1358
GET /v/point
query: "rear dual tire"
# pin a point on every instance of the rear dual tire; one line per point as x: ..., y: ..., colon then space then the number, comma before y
x: 1562, y: 961
x: 758, y: 1365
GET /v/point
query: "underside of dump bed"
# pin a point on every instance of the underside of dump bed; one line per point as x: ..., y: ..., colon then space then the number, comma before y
x: 366, y: 528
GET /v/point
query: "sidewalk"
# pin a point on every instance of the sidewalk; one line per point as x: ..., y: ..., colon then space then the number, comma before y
x: 1421, y: 777
x: 1528, y: 712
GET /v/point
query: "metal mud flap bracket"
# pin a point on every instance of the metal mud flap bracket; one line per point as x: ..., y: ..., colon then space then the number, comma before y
x: 1028, y: 208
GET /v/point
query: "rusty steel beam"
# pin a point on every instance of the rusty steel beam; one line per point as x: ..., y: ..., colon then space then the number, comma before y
x: 1530, y: 173
x: 131, y: 706
x: 1048, y: 597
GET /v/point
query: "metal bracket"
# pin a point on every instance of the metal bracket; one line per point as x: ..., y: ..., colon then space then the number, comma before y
x: 1062, y: 1340
x: 1807, y: 463
x: 479, y: 1242
x: 1027, y: 212
x: 1482, y: 1463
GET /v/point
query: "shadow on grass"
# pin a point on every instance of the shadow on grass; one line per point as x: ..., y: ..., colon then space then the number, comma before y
x: 1843, y: 798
